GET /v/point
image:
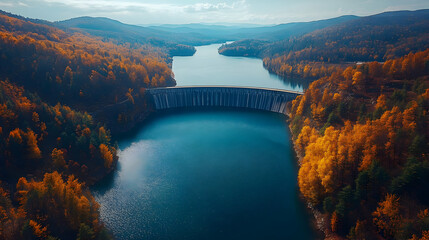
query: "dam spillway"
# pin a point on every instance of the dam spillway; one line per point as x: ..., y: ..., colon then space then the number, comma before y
x: 273, y: 100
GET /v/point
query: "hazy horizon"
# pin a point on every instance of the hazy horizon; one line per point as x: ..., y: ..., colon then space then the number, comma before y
x: 152, y: 12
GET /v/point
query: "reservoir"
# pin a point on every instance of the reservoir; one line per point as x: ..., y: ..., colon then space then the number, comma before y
x: 212, y: 174
x: 207, y: 67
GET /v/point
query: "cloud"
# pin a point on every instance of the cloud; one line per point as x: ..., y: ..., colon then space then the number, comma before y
x: 107, y: 5
x: 6, y: 4
x: 116, y: 5
x: 22, y: 4
x: 209, y: 11
x: 401, y: 7
x: 130, y: 11
x: 207, y: 7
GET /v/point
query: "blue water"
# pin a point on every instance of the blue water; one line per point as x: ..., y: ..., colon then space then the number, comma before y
x: 207, y: 67
x: 216, y: 174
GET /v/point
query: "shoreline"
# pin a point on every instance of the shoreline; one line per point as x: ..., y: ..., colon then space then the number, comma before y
x: 319, y: 222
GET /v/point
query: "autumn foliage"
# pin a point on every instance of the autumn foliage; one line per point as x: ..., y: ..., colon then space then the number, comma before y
x: 49, y: 80
x: 50, y: 208
x: 36, y: 134
x: 320, y: 53
x: 81, y: 70
x: 361, y: 134
x: 387, y: 217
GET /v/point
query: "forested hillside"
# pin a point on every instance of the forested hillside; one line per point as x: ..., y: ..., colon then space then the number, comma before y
x: 362, y: 137
x: 173, y: 44
x: 374, y: 38
x: 35, y: 139
x: 360, y: 130
x: 175, y: 39
x: 198, y: 34
x: 51, y: 148
x: 79, y: 70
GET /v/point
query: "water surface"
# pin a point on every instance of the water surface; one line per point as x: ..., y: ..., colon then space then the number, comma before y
x: 224, y: 174
x: 206, y: 175
x: 207, y: 67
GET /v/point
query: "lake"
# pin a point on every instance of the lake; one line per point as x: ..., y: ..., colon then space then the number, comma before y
x: 214, y: 174
x: 207, y: 67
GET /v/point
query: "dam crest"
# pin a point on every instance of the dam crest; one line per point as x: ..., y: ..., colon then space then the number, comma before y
x: 265, y: 99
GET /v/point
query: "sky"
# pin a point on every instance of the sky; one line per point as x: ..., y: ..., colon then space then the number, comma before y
x: 144, y: 12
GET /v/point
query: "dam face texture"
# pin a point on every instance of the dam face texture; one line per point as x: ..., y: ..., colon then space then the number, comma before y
x: 265, y: 99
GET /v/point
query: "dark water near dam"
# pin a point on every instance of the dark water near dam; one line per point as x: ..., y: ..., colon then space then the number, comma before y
x: 211, y: 174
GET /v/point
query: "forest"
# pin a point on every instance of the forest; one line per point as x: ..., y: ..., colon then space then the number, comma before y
x: 60, y: 146
x: 320, y: 52
x: 52, y: 148
x: 361, y: 134
x: 74, y: 67
x: 360, y: 130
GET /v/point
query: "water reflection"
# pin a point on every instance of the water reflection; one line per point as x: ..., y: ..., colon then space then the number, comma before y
x: 206, y: 175
x: 207, y: 67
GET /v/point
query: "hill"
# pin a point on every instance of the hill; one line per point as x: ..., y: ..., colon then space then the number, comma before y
x: 45, y: 143
x: 361, y: 134
x: 76, y: 68
x: 223, y: 33
x: 115, y: 30
x: 170, y: 35
x: 374, y: 38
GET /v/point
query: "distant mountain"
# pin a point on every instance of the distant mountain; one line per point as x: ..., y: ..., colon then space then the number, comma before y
x: 377, y: 37
x: 108, y: 28
x: 205, y: 25
x: 288, y: 36
x: 193, y: 34
x: 380, y: 37
x: 282, y: 31
x: 237, y: 32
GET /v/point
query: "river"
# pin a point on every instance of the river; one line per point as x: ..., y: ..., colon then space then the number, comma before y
x: 215, y: 174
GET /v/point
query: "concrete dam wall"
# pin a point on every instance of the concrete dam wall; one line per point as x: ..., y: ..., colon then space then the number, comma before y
x: 273, y: 100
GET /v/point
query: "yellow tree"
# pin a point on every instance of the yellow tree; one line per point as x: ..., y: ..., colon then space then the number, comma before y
x: 106, y: 155
x: 33, y: 149
x: 308, y: 135
x: 58, y: 157
x: 387, y: 217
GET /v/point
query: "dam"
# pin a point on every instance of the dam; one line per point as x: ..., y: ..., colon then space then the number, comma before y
x: 207, y: 172
x: 265, y: 99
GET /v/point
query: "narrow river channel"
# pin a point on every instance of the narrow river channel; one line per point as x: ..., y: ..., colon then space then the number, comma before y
x: 215, y: 174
